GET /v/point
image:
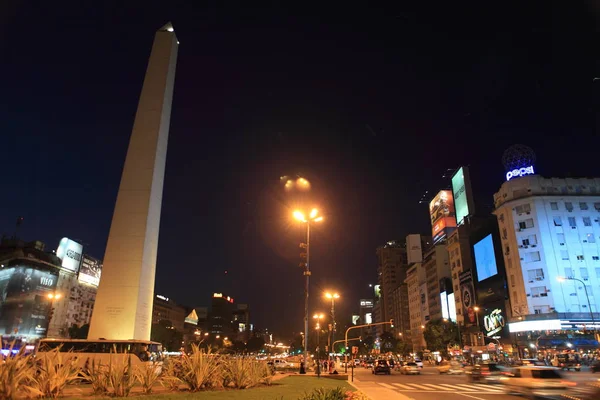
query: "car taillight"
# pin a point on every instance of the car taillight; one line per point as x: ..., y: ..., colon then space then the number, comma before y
x: 485, y: 373
x: 568, y: 383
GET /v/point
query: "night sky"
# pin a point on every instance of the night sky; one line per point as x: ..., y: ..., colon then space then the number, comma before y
x: 371, y: 105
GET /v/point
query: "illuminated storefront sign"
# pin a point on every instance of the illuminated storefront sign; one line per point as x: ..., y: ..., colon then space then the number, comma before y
x: 220, y: 295
x: 366, y: 303
x: 544, y: 325
x: 518, y: 172
x: 160, y: 296
x: 493, y: 322
x: 70, y: 253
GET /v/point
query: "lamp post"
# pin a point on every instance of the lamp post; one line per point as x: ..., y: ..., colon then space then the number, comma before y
x: 52, y: 296
x: 318, y: 317
x: 312, y: 217
x: 332, y: 296
x: 562, y: 279
x: 476, y: 309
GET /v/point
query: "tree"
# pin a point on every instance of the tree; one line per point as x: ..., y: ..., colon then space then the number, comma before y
x: 387, y: 342
x: 440, y: 334
x: 81, y: 332
x: 255, y: 344
x: 403, y: 347
x: 164, y: 332
x: 238, y: 346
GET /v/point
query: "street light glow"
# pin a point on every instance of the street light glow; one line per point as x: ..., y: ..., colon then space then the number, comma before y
x: 313, y: 213
x: 332, y: 295
x: 319, y: 316
x: 299, y: 216
x: 561, y: 278
x: 319, y: 219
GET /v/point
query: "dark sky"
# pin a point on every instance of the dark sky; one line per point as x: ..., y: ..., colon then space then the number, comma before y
x: 372, y: 105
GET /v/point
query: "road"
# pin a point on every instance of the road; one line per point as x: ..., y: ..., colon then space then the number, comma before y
x: 430, y: 385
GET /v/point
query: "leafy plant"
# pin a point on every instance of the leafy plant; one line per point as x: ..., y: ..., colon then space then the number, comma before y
x: 266, y: 373
x: 171, y: 374
x: 201, y: 369
x: 121, y: 376
x: 325, y: 394
x: 241, y: 372
x: 17, y: 373
x: 97, y: 375
x: 148, y: 375
x: 55, y: 372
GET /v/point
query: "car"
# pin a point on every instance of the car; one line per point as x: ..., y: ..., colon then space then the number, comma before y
x: 410, y: 368
x: 369, y: 364
x: 451, y: 368
x: 489, y: 372
x: 418, y: 362
x: 533, y: 381
x: 381, y: 366
x: 356, y: 362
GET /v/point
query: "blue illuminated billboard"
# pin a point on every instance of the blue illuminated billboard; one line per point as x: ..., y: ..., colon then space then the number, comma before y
x: 485, y: 259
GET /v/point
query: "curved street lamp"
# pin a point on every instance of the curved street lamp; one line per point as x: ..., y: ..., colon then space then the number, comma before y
x: 313, y: 216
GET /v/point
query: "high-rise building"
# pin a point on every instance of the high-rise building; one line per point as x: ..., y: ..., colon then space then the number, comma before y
x: 241, y: 322
x: 126, y: 293
x: 391, y: 269
x: 550, y: 233
x: 28, y: 280
x: 221, y: 315
x: 437, y: 273
x: 417, y: 304
x: 166, y: 309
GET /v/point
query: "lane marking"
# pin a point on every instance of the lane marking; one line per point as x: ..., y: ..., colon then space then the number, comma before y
x: 436, y: 387
x: 385, y: 385
x: 401, y: 386
x: 419, y: 386
x: 487, y: 387
x: 458, y: 388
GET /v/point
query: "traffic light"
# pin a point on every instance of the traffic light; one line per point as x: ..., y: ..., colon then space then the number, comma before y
x: 392, y: 323
x: 303, y: 255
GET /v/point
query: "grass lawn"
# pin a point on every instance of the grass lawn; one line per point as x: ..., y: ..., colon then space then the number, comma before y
x: 290, y: 388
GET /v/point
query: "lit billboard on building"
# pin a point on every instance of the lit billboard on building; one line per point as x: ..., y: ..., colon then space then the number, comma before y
x: 366, y: 303
x: 24, y: 301
x: 90, y: 271
x: 414, y: 250
x: 463, y: 196
x: 441, y: 211
x: 70, y: 253
x: 485, y: 259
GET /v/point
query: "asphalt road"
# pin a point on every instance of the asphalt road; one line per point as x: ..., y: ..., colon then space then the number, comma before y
x: 430, y: 385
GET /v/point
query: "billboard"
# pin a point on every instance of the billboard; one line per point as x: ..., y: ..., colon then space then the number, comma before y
x: 463, y: 196
x: 444, y: 303
x: 368, y: 318
x: 441, y: 211
x: 377, y: 290
x: 90, y: 271
x: 452, y: 307
x: 24, y: 302
x: 355, y: 319
x: 485, y: 259
x: 414, y: 250
x: 366, y: 303
x: 69, y: 253
x: 467, y: 293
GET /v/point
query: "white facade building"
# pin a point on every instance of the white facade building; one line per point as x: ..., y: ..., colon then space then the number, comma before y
x: 417, y: 304
x: 550, y: 228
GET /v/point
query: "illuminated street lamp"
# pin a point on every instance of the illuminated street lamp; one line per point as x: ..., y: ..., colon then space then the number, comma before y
x: 561, y: 279
x: 318, y: 317
x: 52, y: 296
x: 313, y: 216
x: 332, y: 297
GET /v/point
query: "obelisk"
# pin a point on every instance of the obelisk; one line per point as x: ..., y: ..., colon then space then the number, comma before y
x: 123, y: 307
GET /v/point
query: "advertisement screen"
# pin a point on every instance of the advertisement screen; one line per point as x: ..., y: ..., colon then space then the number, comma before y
x: 441, y: 211
x: 467, y: 293
x: 452, y: 307
x: 355, y: 319
x: 414, y: 248
x: 368, y: 318
x: 69, y: 253
x: 444, y: 303
x: 459, y: 191
x: 485, y: 259
x: 90, y: 271
x: 366, y: 303
x: 24, y: 302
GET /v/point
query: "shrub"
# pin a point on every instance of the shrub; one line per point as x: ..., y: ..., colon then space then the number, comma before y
x: 325, y: 394
x: 267, y: 373
x: 56, y: 372
x: 171, y: 374
x: 17, y: 373
x: 148, y: 375
x: 121, y: 376
x: 201, y: 370
x: 241, y: 372
x: 97, y: 375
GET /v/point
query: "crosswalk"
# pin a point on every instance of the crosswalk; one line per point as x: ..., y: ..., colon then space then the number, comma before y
x: 442, y: 387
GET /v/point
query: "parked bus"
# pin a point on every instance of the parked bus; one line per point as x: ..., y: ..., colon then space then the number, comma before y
x: 102, y: 351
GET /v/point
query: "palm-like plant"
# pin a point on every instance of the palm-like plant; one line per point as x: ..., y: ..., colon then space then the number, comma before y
x: 56, y: 372
x: 148, y: 375
x: 17, y: 373
x: 121, y: 376
x: 200, y: 369
x: 97, y: 375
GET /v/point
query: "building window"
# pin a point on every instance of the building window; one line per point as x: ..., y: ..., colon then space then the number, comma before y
x: 583, y: 206
x: 523, y: 208
x: 587, y: 221
x: 515, y: 297
x: 580, y: 258
x: 533, y: 256
x: 598, y: 273
x: 525, y: 242
x: 557, y: 221
x: 564, y: 254
x: 595, y: 258
x: 528, y: 223
x: 535, y: 274
x: 561, y: 238
x: 532, y: 239
x: 539, y: 291
x: 569, y: 272
x: 554, y: 205
x: 512, y: 281
x: 569, y: 206
x: 572, y: 222
x: 584, y: 274
x: 591, y: 238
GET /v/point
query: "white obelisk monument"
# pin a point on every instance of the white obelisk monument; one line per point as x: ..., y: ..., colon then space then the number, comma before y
x: 123, y: 307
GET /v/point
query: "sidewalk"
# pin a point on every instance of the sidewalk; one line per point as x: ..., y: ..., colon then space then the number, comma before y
x: 376, y: 391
